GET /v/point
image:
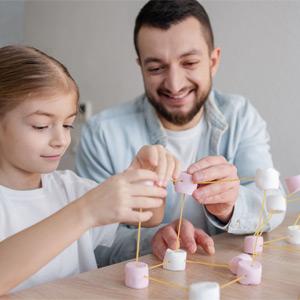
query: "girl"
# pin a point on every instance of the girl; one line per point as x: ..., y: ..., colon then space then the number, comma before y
x: 50, y: 220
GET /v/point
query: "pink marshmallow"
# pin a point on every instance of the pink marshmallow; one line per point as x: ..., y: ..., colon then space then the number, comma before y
x: 293, y: 184
x: 249, y: 244
x: 185, y: 184
x: 136, y: 275
x: 251, y: 272
x: 233, y: 264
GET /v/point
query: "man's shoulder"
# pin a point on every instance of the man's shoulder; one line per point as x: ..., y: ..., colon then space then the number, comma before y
x: 230, y: 102
x: 119, y: 112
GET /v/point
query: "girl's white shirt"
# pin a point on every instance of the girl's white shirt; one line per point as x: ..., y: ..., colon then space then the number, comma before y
x: 21, y: 209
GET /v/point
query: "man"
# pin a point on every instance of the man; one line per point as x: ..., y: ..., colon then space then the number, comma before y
x: 215, y: 136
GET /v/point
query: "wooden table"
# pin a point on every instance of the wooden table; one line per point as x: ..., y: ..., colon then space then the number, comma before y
x: 281, y: 276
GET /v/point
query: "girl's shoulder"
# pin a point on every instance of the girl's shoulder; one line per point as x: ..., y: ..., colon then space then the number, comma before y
x: 67, y: 182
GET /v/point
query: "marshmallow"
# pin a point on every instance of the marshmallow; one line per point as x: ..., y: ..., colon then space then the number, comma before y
x: 204, y: 290
x: 276, y: 204
x: 185, y: 184
x: 249, y: 244
x: 294, y: 234
x: 233, y: 263
x: 136, y: 275
x: 267, y: 179
x: 293, y: 184
x: 175, y: 260
x: 251, y: 272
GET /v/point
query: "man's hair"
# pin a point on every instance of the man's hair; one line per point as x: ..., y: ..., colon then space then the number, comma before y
x: 164, y: 13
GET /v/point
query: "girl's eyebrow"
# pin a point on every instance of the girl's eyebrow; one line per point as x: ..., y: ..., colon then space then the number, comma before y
x: 46, y: 114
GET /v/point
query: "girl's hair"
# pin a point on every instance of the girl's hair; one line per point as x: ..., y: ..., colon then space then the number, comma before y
x: 26, y: 72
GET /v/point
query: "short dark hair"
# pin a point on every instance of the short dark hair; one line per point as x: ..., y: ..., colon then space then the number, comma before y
x: 164, y: 13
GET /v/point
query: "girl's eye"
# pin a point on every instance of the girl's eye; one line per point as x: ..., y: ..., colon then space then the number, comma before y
x: 39, y: 127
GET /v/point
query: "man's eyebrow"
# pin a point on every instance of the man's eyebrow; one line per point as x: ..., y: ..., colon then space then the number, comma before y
x: 157, y: 60
x: 46, y: 114
x: 191, y: 52
x: 152, y: 60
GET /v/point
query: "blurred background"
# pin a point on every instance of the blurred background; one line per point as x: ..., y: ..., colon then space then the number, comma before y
x: 260, y: 44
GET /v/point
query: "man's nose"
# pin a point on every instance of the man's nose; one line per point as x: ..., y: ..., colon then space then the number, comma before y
x: 175, y: 80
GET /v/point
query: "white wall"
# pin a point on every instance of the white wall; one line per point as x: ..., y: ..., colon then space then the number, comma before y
x: 260, y: 59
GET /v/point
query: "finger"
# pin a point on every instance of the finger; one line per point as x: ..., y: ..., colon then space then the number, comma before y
x: 140, y: 189
x: 216, y: 172
x: 215, y: 189
x: 177, y: 169
x: 133, y: 216
x: 143, y: 202
x: 162, y: 165
x: 204, y: 241
x: 170, y: 168
x: 139, y: 175
x: 222, y: 197
x: 187, y: 237
x: 159, y: 246
x: 205, y: 163
x: 170, y: 237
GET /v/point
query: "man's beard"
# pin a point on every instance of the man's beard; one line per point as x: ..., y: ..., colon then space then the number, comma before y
x: 180, y: 118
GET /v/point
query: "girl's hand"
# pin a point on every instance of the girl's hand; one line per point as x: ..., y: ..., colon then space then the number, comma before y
x: 118, y: 199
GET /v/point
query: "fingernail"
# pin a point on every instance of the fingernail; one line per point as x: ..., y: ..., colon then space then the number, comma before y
x: 191, y: 247
x: 211, y: 249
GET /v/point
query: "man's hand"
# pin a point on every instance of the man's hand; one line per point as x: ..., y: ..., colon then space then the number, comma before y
x: 159, y: 160
x: 190, y: 238
x: 219, y: 198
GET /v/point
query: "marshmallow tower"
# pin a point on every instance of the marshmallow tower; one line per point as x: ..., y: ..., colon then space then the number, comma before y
x: 250, y: 242
x: 136, y: 275
x: 267, y: 179
x: 204, y: 290
x: 233, y: 263
x: 250, y: 272
x: 184, y: 184
x: 175, y: 260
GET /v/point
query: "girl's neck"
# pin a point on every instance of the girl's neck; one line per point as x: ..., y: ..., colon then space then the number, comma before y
x: 19, y: 180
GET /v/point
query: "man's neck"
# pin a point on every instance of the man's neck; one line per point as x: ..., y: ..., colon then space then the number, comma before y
x: 171, y: 126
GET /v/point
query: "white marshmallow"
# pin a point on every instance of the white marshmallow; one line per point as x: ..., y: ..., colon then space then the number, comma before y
x: 175, y: 260
x: 276, y: 204
x: 267, y: 179
x: 204, y: 290
x: 294, y: 234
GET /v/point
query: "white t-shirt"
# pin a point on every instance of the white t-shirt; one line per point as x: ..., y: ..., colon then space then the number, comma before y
x: 186, y: 145
x: 21, y: 209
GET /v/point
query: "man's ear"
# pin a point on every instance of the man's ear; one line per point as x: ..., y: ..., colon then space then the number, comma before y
x: 138, y: 61
x: 215, y: 57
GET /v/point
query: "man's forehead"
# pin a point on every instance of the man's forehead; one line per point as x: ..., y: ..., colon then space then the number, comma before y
x: 180, y: 39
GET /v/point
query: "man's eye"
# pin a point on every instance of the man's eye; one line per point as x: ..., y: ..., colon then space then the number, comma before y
x: 68, y: 126
x: 155, y: 70
x: 191, y: 63
x: 39, y: 127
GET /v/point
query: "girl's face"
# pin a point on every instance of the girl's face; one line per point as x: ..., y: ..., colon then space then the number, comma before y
x: 35, y: 135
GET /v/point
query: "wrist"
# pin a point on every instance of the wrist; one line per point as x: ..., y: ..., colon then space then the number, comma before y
x: 84, y: 213
x: 225, y: 216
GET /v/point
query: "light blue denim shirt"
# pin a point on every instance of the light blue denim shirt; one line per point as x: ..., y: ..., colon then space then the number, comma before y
x: 233, y: 129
